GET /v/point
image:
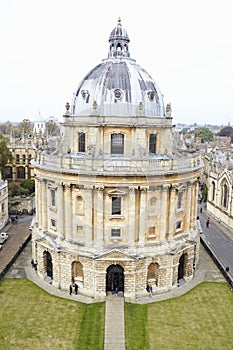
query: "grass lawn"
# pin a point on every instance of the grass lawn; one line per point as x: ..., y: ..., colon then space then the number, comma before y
x: 202, y: 319
x: 30, y: 318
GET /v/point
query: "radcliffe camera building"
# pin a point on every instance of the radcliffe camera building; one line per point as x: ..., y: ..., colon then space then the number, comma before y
x: 116, y: 200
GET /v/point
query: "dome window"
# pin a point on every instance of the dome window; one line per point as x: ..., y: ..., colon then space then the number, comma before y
x: 118, y: 94
x: 151, y: 96
x: 85, y: 95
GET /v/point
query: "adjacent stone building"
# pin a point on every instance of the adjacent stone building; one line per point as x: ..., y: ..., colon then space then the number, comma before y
x: 219, y: 181
x: 116, y: 201
x: 3, y: 202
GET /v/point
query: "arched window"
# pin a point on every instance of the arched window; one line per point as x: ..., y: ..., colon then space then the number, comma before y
x: 21, y: 172
x: 152, y: 143
x: 153, y: 273
x: 79, y: 205
x: 213, y: 191
x: 48, y: 263
x: 182, y: 267
x: 224, y: 195
x: 77, y: 273
x: 9, y: 172
x: 81, y: 142
x: 153, y: 203
x: 117, y: 144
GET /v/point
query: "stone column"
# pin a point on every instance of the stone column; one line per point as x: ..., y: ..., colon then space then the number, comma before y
x: 164, y: 216
x: 67, y: 210
x: 132, y: 216
x: 189, y: 207
x: 172, y: 212
x: 60, y: 209
x: 44, y: 208
x: 99, y: 210
x: 143, y: 213
x: 194, y: 199
x: 88, y: 214
x: 39, y: 201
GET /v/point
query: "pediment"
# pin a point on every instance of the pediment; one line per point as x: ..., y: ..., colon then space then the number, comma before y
x: 116, y: 254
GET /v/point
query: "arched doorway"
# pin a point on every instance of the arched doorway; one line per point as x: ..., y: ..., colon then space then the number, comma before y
x: 181, y: 268
x: 48, y: 264
x: 115, y: 278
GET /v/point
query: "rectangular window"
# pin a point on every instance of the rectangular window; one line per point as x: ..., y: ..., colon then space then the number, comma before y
x: 152, y: 143
x: 152, y: 231
x: 53, y: 223
x: 178, y: 225
x: 179, y: 200
x: 117, y: 144
x: 115, y: 232
x: 53, y: 202
x: 116, y: 205
x: 81, y: 142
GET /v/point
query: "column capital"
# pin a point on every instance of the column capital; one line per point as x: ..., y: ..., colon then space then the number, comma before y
x: 99, y: 188
x: 144, y: 188
x: 88, y: 187
x: 133, y: 188
x: 67, y: 186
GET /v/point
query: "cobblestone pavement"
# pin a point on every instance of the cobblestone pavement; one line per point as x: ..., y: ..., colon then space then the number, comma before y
x: 18, y: 235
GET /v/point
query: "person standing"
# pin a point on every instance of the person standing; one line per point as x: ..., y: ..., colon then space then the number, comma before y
x: 76, y: 288
x: 208, y: 222
x: 71, y: 289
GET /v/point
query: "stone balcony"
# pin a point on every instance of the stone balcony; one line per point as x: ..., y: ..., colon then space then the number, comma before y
x: 149, y: 165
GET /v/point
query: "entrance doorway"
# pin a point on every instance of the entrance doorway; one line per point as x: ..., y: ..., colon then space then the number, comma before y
x: 115, y: 278
x: 181, y: 267
x: 49, y: 264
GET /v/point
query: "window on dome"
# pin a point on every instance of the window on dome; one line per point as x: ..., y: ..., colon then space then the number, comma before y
x: 118, y: 93
x: 117, y: 144
x: 152, y: 143
x: 81, y: 142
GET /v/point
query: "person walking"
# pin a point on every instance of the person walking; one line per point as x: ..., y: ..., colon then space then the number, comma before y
x: 208, y: 222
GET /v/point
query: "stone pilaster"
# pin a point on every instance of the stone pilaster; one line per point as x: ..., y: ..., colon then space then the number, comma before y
x: 44, y: 208
x: 132, y: 215
x: 68, y: 210
x: 99, y: 211
x: 172, y: 211
x: 143, y: 212
x: 60, y: 209
x: 164, y: 214
x: 89, y: 214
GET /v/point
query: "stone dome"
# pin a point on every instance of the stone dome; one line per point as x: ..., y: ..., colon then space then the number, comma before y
x: 118, y: 86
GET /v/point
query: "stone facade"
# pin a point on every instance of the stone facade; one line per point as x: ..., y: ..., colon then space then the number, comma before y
x: 116, y: 202
x: 218, y: 171
x: 3, y: 202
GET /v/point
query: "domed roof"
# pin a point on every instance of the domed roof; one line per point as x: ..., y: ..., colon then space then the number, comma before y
x: 118, y: 86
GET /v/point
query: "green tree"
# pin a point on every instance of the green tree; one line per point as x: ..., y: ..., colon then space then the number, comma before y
x: 204, y: 133
x: 5, y: 155
x: 28, y: 184
x: 52, y: 128
x: 25, y: 127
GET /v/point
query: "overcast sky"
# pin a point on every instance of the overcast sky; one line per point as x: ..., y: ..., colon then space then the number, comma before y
x: 48, y: 46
